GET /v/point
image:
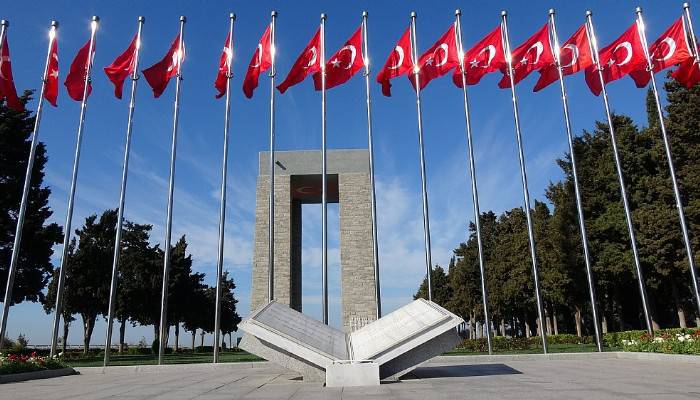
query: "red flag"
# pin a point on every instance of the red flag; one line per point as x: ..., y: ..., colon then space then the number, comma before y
x: 617, y: 59
x: 158, y: 75
x: 669, y: 49
x: 307, y: 63
x: 530, y: 56
x: 75, y: 80
x: 485, y: 57
x: 438, y: 60
x: 122, y: 67
x: 224, y: 63
x: 344, y: 63
x: 574, y: 55
x: 51, y: 84
x: 398, y: 63
x: 688, y: 73
x: 261, y: 62
x: 7, y: 82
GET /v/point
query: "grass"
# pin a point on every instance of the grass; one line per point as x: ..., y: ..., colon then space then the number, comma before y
x: 97, y: 360
x: 553, y: 348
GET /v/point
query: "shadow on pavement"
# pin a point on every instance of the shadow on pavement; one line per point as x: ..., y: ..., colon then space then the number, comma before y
x: 460, y: 371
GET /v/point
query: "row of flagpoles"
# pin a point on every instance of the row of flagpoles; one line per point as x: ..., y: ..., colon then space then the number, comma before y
x: 628, y: 55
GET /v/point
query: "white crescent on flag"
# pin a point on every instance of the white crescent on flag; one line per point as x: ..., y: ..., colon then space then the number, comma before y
x: 671, y: 50
x: 445, y: 49
x: 492, y: 53
x: 539, y: 48
x: 574, y: 54
x: 628, y: 48
x: 399, y: 51
x: 259, y: 60
x: 313, y: 59
x: 353, y: 54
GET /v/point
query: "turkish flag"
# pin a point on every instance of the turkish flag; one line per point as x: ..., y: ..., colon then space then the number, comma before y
x: 51, y: 82
x: 261, y: 62
x: 438, y: 60
x: 688, y: 73
x: 398, y: 63
x: 222, y: 76
x: 669, y: 49
x: 574, y: 56
x: 486, y: 56
x: 7, y: 82
x: 309, y: 62
x: 344, y: 63
x: 122, y: 67
x: 158, y: 75
x: 530, y: 56
x: 75, y: 80
x: 617, y: 59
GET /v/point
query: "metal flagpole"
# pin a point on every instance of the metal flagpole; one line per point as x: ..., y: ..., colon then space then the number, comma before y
x: 370, y: 141
x: 71, y: 198
x: 689, y: 21
x: 669, y: 158
x: 324, y: 205
x: 577, y: 191
x: 122, y: 196
x: 271, y: 203
x: 171, y: 187
x: 4, y: 24
x: 25, y: 191
x: 222, y: 210
x: 472, y: 172
x: 623, y: 192
x: 523, y: 176
x: 426, y: 218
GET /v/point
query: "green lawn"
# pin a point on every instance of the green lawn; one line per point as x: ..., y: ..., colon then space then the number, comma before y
x: 553, y: 348
x: 241, y: 356
x: 180, y: 358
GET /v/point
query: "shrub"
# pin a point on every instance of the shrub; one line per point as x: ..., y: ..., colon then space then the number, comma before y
x: 138, y: 350
x: 13, y: 363
x: 679, y: 341
x: 499, y: 344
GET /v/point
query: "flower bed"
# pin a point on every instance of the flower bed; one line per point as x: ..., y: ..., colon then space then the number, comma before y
x: 687, y: 341
x: 13, y: 363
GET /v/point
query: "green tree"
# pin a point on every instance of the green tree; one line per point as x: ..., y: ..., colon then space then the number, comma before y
x: 441, y: 287
x: 38, y: 237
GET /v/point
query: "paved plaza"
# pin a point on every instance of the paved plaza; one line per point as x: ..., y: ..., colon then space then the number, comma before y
x: 559, y: 376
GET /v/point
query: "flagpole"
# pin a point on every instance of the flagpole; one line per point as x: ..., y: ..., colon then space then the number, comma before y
x: 71, y: 198
x: 577, y: 190
x: 694, y: 50
x: 472, y: 172
x: 623, y: 192
x: 523, y: 176
x: 25, y: 191
x: 271, y: 203
x: 122, y: 196
x: 4, y: 24
x: 324, y: 186
x: 163, y: 334
x: 669, y: 158
x: 426, y: 218
x: 222, y: 211
x: 370, y: 141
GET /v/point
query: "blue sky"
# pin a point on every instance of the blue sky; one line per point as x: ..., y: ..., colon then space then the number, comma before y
x: 298, y: 127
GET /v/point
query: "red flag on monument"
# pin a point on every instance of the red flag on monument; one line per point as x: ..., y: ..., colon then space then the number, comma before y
x: 51, y: 83
x: 75, y: 80
x: 438, y: 60
x: 7, y: 82
x: 224, y: 63
x: 669, y: 49
x: 122, y: 67
x: 261, y: 62
x: 486, y: 56
x: 574, y: 55
x: 158, y: 75
x: 308, y: 63
x: 618, y: 59
x: 398, y: 63
x: 345, y: 63
x: 530, y: 56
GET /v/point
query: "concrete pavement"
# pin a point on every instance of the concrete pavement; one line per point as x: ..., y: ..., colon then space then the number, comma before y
x: 561, y: 376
